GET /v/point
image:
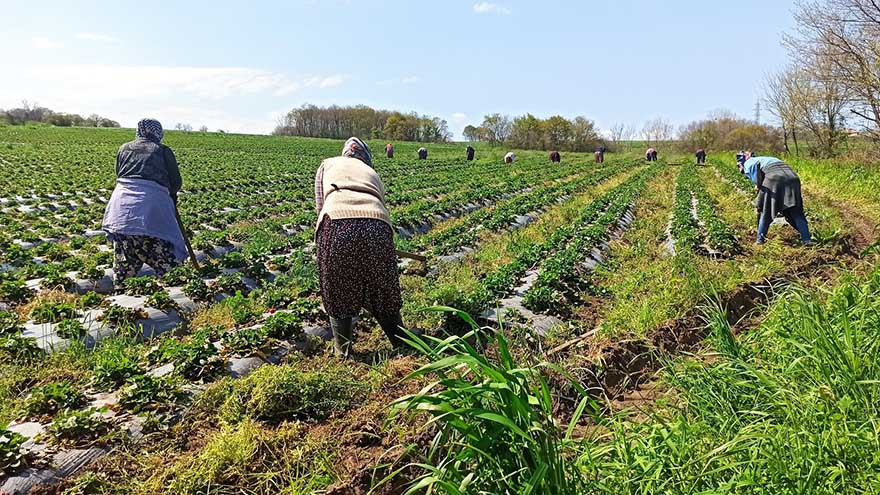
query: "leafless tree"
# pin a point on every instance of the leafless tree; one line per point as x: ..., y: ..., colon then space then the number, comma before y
x: 842, y: 37
x: 657, y: 130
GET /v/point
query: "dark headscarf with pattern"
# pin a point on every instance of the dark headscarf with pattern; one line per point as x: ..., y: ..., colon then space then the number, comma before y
x: 151, y: 130
x: 355, y: 148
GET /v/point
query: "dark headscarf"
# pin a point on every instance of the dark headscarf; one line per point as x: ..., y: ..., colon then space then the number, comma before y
x: 355, y: 148
x: 151, y: 130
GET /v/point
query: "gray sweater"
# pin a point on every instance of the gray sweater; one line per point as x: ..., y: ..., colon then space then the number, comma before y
x: 144, y: 159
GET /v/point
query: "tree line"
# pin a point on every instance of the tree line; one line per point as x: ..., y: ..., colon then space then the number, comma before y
x: 530, y: 132
x: 35, y: 113
x: 830, y: 90
x: 341, y: 122
x: 723, y: 130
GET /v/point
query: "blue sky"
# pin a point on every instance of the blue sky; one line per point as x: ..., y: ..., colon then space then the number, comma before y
x: 239, y: 65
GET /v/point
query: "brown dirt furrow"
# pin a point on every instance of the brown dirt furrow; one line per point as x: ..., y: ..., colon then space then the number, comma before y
x: 620, y: 368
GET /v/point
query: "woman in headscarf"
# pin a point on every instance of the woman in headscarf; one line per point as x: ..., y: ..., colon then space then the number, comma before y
x: 140, y: 218
x: 779, y: 193
x: 357, y: 261
x: 510, y: 157
x: 555, y: 157
x: 389, y: 150
x: 423, y: 153
x: 470, y: 152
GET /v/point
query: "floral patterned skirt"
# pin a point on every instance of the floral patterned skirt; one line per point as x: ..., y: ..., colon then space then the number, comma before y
x: 357, y: 265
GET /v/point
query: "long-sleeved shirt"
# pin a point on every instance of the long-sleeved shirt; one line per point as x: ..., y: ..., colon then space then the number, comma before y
x: 144, y: 159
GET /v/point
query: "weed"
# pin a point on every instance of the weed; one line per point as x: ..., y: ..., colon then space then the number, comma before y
x: 278, y: 393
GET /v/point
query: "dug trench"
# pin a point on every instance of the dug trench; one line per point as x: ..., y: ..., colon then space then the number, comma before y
x: 621, y: 373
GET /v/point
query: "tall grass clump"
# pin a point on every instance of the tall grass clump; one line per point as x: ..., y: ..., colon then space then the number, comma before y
x: 494, y: 417
x: 789, y: 408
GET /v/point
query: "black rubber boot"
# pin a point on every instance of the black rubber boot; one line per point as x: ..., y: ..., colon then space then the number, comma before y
x: 393, y: 328
x: 343, y: 330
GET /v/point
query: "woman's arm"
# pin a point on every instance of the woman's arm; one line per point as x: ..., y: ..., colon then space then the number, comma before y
x: 319, y: 189
x: 176, y: 181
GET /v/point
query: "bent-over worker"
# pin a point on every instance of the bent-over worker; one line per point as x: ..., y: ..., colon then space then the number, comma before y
x: 600, y: 154
x: 140, y: 218
x: 357, y: 261
x: 701, y: 156
x: 555, y: 157
x: 423, y: 153
x: 470, y: 153
x: 509, y: 157
x: 389, y: 150
x: 779, y: 193
x: 651, y: 155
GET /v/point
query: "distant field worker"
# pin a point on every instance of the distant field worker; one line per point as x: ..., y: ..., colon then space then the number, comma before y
x: 779, y: 193
x: 701, y: 156
x: 555, y: 157
x: 470, y: 153
x: 389, y: 150
x: 651, y: 155
x: 600, y: 155
x: 357, y: 261
x: 423, y: 153
x: 509, y: 157
x: 140, y: 218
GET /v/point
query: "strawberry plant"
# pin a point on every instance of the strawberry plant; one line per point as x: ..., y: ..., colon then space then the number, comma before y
x: 119, y: 316
x: 146, y: 393
x: 161, y: 301
x: 11, y: 454
x: 283, y: 325
x: 91, y: 299
x: 9, y: 324
x: 19, y: 349
x: 14, y: 291
x: 198, y: 290
x: 53, y: 312
x: 112, y: 368
x: 141, y: 286
x: 54, y: 397
x: 78, y: 428
x: 70, y: 329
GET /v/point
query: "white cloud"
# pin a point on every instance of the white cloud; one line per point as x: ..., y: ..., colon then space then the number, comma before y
x: 491, y: 8
x: 108, y: 82
x: 104, y: 38
x: 325, y: 82
x: 410, y: 80
x: 44, y: 43
x: 189, y: 95
x: 459, y: 119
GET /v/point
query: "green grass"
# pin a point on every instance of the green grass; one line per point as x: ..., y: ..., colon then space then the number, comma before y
x: 789, y: 408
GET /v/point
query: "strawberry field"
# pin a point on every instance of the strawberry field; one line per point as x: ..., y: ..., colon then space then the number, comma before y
x: 615, y: 329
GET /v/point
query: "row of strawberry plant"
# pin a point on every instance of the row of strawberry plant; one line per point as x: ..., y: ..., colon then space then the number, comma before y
x: 465, y: 232
x: 504, y: 277
x: 736, y: 178
x: 559, y: 279
x: 695, y: 222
